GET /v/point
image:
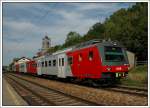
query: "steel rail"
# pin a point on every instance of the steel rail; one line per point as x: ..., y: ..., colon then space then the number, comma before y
x: 79, y: 101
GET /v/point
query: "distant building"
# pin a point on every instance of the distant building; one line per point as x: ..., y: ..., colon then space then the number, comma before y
x: 22, y: 60
x: 46, y: 44
x: 132, y: 59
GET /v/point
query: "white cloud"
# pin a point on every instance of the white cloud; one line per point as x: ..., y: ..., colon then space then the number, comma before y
x: 30, y: 33
x: 91, y: 6
x: 19, y: 26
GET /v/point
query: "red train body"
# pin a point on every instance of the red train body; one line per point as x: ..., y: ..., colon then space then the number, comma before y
x: 82, y: 66
x: 99, y: 61
x: 17, y: 68
x: 31, y: 67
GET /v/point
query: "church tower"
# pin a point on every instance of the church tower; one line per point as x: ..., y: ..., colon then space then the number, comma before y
x: 46, y: 43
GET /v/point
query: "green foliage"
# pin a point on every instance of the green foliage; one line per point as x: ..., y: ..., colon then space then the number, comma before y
x: 95, y: 32
x: 53, y: 49
x: 137, y: 76
x: 140, y: 69
x: 128, y: 26
x: 72, y: 39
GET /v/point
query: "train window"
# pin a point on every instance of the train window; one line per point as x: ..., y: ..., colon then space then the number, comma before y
x: 113, y: 49
x: 45, y: 63
x: 70, y: 60
x: 80, y: 57
x: 59, y: 62
x: 49, y: 63
x: 62, y: 61
x: 42, y: 64
x: 114, y: 54
x: 54, y: 62
x: 110, y: 57
x: 90, y: 55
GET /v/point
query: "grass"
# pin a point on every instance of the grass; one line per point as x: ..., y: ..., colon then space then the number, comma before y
x: 137, y: 77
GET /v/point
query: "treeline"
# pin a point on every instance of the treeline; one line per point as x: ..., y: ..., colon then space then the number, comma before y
x: 128, y: 26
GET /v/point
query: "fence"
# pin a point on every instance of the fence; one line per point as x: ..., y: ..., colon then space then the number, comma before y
x: 141, y: 63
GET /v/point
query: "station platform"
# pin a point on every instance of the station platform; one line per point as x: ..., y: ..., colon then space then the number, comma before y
x: 9, y: 96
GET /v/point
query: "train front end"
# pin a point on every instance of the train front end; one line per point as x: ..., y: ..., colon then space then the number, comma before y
x: 114, y: 60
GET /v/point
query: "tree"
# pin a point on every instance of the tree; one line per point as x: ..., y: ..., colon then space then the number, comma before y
x: 72, y: 39
x: 129, y: 26
x: 53, y: 49
x: 95, y: 32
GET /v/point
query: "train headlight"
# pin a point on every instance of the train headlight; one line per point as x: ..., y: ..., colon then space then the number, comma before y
x: 109, y: 68
x: 118, y: 68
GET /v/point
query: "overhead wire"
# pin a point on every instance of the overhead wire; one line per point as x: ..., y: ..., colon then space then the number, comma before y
x: 31, y: 30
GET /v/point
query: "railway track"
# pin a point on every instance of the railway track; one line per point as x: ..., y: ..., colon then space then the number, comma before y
x: 124, y: 89
x: 129, y: 90
x: 35, y: 94
x: 132, y: 90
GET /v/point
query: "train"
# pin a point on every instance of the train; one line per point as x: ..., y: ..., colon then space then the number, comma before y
x: 97, y: 61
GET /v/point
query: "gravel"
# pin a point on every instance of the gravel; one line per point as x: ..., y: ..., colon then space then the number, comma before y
x: 100, y: 96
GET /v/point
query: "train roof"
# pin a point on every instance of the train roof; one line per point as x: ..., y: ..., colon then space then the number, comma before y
x: 62, y: 51
x: 98, y: 42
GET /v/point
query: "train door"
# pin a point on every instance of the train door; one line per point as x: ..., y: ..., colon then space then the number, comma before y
x: 79, y: 64
x: 25, y: 68
x: 17, y: 68
x: 39, y: 67
x: 61, y: 65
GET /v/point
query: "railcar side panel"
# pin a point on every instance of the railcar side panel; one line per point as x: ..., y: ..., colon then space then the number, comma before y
x: 22, y: 67
x: 62, y: 63
x: 31, y: 67
x: 49, y: 65
x: 63, y: 70
x: 86, y: 62
x: 17, y: 68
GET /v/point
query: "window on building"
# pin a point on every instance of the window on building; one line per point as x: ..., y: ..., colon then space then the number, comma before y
x: 90, y: 55
x: 70, y: 60
x: 54, y: 62
x: 48, y: 44
x: 45, y: 63
x: 62, y: 61
x: 50, y: 63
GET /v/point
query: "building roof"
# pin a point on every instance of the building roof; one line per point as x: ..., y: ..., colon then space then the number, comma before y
x: 22, y: 59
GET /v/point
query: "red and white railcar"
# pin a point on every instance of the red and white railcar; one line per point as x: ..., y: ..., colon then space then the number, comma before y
x: 98, y: 60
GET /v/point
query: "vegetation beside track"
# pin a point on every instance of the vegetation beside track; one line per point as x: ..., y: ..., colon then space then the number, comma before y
x: 137, y: 77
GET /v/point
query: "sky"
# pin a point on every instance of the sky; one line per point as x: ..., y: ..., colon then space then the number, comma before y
x: 25, y: 24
